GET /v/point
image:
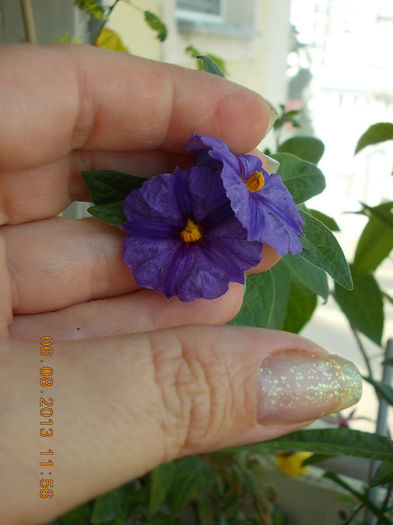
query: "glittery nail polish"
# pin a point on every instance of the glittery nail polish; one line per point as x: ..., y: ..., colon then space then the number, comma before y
x: 296, y: 386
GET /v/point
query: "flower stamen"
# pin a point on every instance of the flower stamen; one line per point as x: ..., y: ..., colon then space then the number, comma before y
x: 255, y: 182
x: 191, y: 232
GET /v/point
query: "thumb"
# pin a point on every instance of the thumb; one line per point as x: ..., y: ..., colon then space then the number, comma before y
x: 123, y: 405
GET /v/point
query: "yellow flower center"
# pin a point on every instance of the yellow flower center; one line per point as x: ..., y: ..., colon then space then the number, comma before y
x: 192, y: 232
x: 255, y: 182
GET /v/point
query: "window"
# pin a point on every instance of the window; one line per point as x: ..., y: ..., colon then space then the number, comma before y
x: 200, y: 10
x: 221, y: 17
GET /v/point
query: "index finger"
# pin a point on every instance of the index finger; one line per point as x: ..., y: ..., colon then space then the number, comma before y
x: 55, y: 99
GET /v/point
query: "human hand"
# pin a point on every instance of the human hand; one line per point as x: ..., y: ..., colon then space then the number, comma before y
x: 137, y: 380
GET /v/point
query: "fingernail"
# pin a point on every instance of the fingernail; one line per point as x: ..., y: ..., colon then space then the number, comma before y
x: 300, y: 386
x: 271, y: 165
x: 273, y: 116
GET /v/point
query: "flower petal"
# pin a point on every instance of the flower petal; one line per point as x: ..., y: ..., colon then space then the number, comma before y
x: 155, y: 249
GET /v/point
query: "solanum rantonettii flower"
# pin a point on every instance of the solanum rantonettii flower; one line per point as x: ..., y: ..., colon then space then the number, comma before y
x: 183, y: 237
x: 260, y: 201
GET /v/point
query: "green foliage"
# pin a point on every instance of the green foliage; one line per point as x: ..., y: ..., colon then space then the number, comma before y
x: 111, y: 213
x: 303, y: 179
x: 329, y: 222
x: 383, y: 475
x: 384, y: 391
x: 107, y: 506
x: 376, y: 133
x: 342, y: 441
x: 219, y: 62
x: 210, y: 66
x: 277, y: 299
x: 161, y: 481
x: 383, y: 520
x: 109, y: 39
x: 156, y: 24
x: 321, y: 248
x: 307, y: 148
x: 108, y: 190
x: 76, y: 516
x: 376, y: 240
x: 363, y: 306
x: 310, y: 276
x: 287, y: 117
x: 300, y: 307
x: 107, y: 186
x: 92, y: 7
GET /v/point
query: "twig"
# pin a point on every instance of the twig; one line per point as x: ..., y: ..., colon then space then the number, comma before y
x: 353, y: 515
x: 106, y: 18
x: 28, y: 19
x: 362, y: 351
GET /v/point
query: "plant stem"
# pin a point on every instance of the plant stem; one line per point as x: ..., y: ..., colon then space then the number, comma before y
x: 354, y: 514
x: 106, y: 19
x: 362, y: 351
x: 28, y: 19
x: 387, y: 497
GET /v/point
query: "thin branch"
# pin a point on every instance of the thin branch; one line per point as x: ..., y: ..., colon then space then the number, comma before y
x: 354, y: 514
x: 28, y: 19
x: 106, y: 18
x: 362, y: 351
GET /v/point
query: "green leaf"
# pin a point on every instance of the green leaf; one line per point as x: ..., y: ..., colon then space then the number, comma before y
x: 301, y: 306
x: 287, y: 116
x: 363, y: 306
x: 107, y: 186
x: 76, y: 516
x: 383, y: 475
x: 161, y: 480
x: 376, y: 133
x: 92, y: 7
x: 321, y: 248
x: 210, y: 65
x: 342, y: 441
x: 257, y: 301
x: 306, y: 148
x: 303, y: 179
x: 383, y: 520
x: 376, y: 240
x: 155, y: 23
x: 384, y: 212
x: 193, y: 478
x: 111, y: 213
x: 266, y: 299
x: 309, y: 275
x: 109, y: 39
x: 382, y: 390
x: 316, y: 458
x: 107, y: 507
x: 325, y: 219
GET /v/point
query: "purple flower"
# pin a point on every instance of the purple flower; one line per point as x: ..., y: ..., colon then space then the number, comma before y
x: 183, y: 237
x: 260, y: 201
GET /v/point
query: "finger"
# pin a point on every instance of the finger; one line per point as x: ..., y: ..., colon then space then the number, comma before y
x: 22, y: 199
x: 124, y: 405
x: 142, y: 311
x: 57, y: 263
x: 55, y: 99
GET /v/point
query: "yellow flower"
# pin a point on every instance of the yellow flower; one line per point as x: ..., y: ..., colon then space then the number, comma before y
x: 290, y: 463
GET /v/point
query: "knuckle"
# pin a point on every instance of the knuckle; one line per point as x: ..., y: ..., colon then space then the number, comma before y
x: 196, y: 393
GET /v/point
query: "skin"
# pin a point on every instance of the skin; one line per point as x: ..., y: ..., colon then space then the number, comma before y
x: 138, y: 380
